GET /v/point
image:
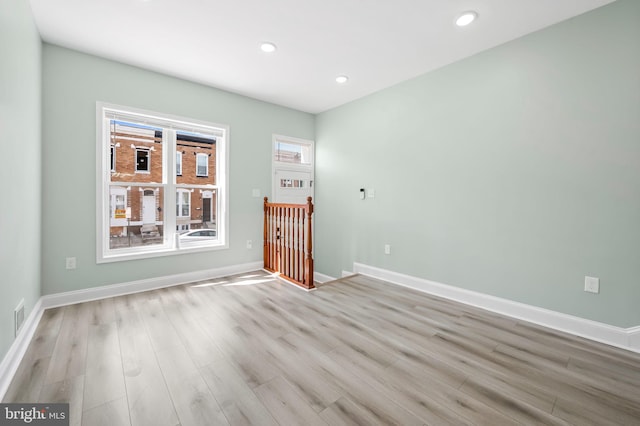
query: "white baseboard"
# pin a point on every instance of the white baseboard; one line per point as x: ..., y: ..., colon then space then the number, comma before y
x: 12, y: 359
x: 322, y: 278
x: 634, y: 338
x: 16, y: 352
x: 96, y: 293
x: 347, y: 273
x: 626, y: 338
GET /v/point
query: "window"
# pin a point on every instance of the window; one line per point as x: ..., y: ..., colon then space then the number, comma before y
x: 293, y: 151
x: 118, y: 203
x: 183, y: 204
x: 202, y: 165
x: 142, y: 160
x: 135, y: 209
x: 292, y: 183
x: 178, y: 164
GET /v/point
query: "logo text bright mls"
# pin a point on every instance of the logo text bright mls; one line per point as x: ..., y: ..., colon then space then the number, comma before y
x: 25, y: 415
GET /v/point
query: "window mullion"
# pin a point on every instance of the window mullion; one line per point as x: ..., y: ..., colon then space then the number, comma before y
x: 169, y: 179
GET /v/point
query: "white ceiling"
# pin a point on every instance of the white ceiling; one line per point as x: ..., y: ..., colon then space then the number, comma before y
x: 377, y: 43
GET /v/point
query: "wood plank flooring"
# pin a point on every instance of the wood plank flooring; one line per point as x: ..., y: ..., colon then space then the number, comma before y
x: 251, y: 350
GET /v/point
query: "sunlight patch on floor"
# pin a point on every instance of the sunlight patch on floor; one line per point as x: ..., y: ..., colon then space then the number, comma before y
x: 251, y: 279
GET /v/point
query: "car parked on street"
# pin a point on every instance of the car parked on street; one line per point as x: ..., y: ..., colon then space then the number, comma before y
x: 198, y: 235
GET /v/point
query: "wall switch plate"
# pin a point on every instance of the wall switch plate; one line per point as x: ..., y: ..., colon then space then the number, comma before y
x: 592, y: 284
x: 371, y: 193
x: 249, y: 244
x: 387, y: 249
x: 255, y: 193
x: 70, y: 263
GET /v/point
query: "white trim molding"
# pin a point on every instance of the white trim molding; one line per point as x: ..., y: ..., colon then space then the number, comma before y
x: 97, y: 293
x: 12, y: 359
x: 322, y: 278
x: 625, y: 338
x: 278, y: 276
x: 16, y: 351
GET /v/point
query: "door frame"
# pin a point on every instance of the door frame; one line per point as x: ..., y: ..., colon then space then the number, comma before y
x: 152, y: 200
x: 207, y: 199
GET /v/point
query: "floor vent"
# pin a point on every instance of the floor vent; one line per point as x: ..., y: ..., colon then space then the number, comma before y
x: 18, y: 317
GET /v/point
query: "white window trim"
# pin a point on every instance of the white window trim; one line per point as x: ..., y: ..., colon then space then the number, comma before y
x: 170, y: 246
x: 178, y: 154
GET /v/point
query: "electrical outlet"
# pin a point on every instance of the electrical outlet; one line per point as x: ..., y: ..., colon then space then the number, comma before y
x: 71, y: 263
x: 249, y: 244
x: 387, y: 249
x: 592, y: 284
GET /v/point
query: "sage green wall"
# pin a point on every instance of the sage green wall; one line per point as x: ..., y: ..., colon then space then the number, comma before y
x: 20, y: 171
x: 72, y: 83
x: 513, y: 173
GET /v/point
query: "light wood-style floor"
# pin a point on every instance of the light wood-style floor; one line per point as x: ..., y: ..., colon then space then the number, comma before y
x: 252, y: 350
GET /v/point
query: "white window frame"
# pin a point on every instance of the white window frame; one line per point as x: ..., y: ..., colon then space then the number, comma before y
x: 206, y: 164
x: 170, y: 125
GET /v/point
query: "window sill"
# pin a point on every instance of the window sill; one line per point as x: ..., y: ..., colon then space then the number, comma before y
x: 161, y: 252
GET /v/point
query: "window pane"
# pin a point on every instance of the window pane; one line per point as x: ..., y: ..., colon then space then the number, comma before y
x: 197, y: 208
x: 142, y: 160
x: 139, y: 142
x: 137, y: 217
x: 178, y: 163
x: 198, y: 158
x: 120, y: 203
x: 201, y: 164
x: 183, y: 203
x: 289, y: 152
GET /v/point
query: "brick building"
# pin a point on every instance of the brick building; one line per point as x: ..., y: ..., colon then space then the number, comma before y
x: 136, y: 156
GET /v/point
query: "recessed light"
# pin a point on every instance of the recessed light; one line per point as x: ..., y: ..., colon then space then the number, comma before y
x: 466, y: 18
x: 341, y: 79
x: 268, y: 47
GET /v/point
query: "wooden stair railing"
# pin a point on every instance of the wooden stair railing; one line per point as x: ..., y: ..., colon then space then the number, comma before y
x: 288, y: 241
